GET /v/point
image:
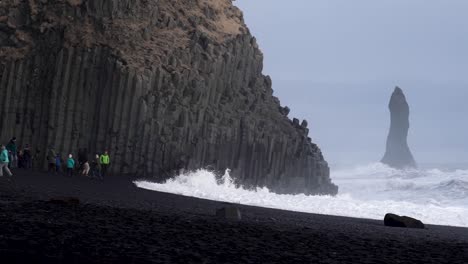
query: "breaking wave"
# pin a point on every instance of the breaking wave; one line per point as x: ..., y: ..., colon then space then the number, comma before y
x: 434, y: 196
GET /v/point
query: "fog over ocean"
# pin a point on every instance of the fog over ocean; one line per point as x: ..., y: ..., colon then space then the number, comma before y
x: 350, y: 122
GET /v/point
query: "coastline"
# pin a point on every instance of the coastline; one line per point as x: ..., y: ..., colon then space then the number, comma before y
x: 116, y: 222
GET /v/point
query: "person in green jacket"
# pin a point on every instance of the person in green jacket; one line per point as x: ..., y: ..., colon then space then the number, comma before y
x: 70, y: 165
x: 4, y: 160
x: 105, y: 163
x: 13, y: 151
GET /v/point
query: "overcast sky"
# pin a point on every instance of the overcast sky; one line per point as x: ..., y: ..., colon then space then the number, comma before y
x: 336, y: 62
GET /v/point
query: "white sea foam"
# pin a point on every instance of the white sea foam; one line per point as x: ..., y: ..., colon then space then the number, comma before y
x: 434, y: 196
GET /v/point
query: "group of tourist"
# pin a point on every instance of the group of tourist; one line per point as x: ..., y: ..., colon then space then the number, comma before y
x: 11, y: 158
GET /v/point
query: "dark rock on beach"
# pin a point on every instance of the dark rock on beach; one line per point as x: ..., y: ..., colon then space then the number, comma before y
x: 394, y: 220
x: 398, y: 154
x: 163, y: 85
x: 119, y: 223
x: 66, y: 201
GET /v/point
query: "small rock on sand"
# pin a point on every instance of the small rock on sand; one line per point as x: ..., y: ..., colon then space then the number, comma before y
x: 394, y: 220
x: 229, y: 213
x: 67, y: 201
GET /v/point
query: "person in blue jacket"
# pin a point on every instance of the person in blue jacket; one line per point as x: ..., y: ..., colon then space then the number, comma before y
x: 58, y: 164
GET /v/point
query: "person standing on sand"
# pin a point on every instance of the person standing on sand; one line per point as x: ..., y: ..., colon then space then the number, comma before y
x: 35, y: 160
x: 85, y: 169
x: 13, y: 150
x: 51, y: 155
x: 96, y: 167
x: 82, y: 158
x: 27, y: 157
x: 4, y: 161
x: 105, y: 163
x: 70, y: 165
x: 20, y: 159
x: 58, y: 164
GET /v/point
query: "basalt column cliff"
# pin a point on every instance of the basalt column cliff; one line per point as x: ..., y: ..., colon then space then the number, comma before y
x: 161, y: 84
x: 398, y: 154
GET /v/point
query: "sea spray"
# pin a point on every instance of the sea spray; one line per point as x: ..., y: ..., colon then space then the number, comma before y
x: 434, y: 196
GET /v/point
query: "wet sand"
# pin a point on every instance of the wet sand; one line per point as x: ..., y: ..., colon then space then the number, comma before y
x: 116, y: 222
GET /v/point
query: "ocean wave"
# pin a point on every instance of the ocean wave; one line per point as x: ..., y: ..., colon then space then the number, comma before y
x: 434, y: 196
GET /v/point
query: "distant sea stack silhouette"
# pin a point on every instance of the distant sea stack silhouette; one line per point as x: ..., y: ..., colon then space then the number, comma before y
x: 163, y: 85
x: 398, y: 154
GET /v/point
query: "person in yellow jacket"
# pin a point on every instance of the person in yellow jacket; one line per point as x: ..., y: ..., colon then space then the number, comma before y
x: 105, y: 163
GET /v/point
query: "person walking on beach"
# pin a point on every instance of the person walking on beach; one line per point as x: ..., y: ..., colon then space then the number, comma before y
x: 58, y: 164
x: 105, y: 163
x: 20, y: 159
x: 70, y: 165
x: 4, y: 161
x: 96, y: 167
x: 27, y: 157
x: 86, y: 168
x: 82, y: 158
x: 51, y: 156
x: 13, y: 150
x: 35, y: 160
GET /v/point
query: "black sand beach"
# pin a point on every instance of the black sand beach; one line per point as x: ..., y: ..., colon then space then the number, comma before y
x: 116, y: 222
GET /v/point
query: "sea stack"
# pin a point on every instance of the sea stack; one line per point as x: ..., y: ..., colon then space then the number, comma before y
x: 398, y: 154
x: 163, y: 85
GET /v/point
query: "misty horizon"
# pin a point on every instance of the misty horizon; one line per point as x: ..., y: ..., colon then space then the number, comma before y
x: 336, y: 64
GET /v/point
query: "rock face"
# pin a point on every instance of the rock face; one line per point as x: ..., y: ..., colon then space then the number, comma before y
x: 161, y: 84
x: 398, y: 154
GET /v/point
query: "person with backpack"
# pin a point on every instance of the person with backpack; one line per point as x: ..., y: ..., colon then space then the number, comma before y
x: 70, y: 165
x: 4, y: 160
x: 105, y: 163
